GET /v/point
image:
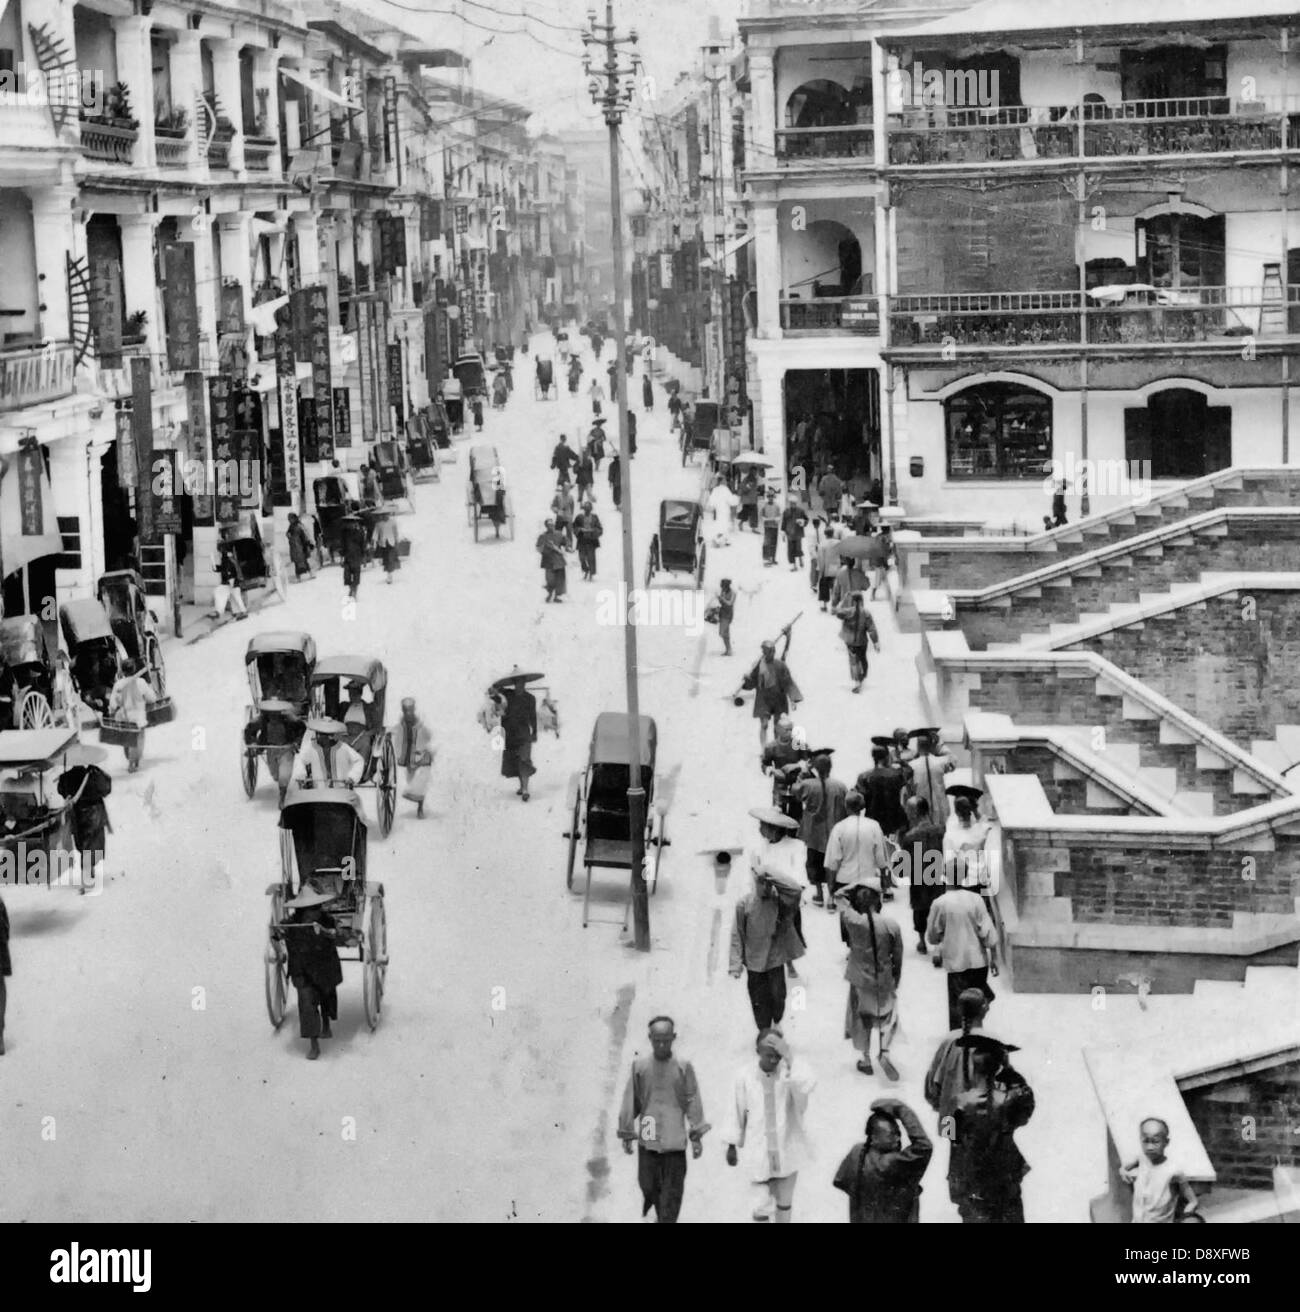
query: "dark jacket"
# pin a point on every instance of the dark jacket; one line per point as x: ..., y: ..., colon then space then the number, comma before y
x: 519, y: 720
x: 6, y: 965
x: 563, y: 457
x: 89, y: 814
x: 313, y: 958
x: 986, y: 1164
x: 588, y: 528
x: 885, y: 1188
x: 549, y: 544
x: 882, y: 793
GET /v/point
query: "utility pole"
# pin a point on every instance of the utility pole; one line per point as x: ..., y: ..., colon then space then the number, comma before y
x: 612, y: 86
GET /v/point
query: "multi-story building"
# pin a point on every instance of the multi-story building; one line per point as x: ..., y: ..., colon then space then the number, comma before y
x: 1082, y: 236
x: 587, y: 154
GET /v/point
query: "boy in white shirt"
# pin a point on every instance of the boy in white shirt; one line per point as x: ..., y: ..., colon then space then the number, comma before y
x: 1158, y: 1185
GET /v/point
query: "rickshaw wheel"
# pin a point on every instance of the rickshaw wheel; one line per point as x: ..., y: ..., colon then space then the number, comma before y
x: 376, y: 967
x: 475, y: 513
x: 660, y: 841
x: 386, y: 786
x: 154, y: 656
x: 34, y: 711
x: 699, y: 565
x: 652, y: 559
x: 248, y: 761
x: 575, y: 822
x: 276, y: 966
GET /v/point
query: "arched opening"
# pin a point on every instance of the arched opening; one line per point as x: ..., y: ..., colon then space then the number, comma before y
x: 824, y: 260
x: 998, y: 430
x: 822, y: 103
x: 1177, y: 249
x: 1178, y: 434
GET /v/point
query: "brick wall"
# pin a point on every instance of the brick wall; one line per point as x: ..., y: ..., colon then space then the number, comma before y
x: 1232, y: 663
x: 1246, y: 1124
x: 1066, y: 796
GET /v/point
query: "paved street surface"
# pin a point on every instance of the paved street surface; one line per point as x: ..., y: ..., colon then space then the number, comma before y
x: 143, y: 1081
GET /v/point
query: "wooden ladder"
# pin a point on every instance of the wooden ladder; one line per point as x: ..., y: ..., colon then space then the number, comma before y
x: 54, y: 60
x: 79, y: 307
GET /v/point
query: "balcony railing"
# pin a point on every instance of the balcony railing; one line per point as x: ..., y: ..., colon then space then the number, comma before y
x: 1121, y: 315
x: 257, y: 154
x: 171, y: 152
x: 219, y: 152
x: 107, y: 144
x: 33, y: 375
x: 855, y: 314
x: 852, y: 141
x: 1198, y: 125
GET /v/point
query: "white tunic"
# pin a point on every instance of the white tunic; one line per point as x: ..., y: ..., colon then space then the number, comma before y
x: 765, y: 1119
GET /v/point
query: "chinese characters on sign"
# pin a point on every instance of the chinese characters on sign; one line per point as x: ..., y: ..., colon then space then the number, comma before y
x: 321, y: 380
x: 342, y: 417
x: 181, y: 305
x: 164, y: 492
x: 289, y: 435
x: 31, y: 468
x: 366, y: 367
x: 196, y: 450
x: 379, y: 357
x: 142, y: 433
x: 221, y: 402
x: 396, y: 388
x: 106, y: 311
x: 307, y: 431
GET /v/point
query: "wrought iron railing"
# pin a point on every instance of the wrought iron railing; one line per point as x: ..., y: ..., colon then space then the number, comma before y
x: 850, y: 141
x: 859, y: 314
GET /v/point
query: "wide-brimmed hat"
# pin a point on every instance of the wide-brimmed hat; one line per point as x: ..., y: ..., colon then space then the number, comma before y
x: 84, y: 754
x: 968, y: 791
x: 276, y: 706
x: 769, y: 815
x: 921, y: 733
x: 985, y: 1043
x: 309, y: 897
x: 878, y: 740
x: 326, y: 726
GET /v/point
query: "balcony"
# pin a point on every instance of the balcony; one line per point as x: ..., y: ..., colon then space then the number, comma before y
x: 1116, y: 316
x: 851, y: 141
x: 108, y: 143
x: 1199, y: 125
x: 838, y: 314
x: 257, y: 154
x: 35, y: 375
x: 171, y: 148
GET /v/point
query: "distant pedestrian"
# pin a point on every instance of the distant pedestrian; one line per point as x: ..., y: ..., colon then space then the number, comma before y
x: 370, y: 495
x: 386, y: 543
x: 588, y: 529
x: 882, y: 791
x: 519, y: 733
x: 6, y: 969
x: 299, y: 546
x: 631, y: 435
x: 597, y: 394
x: 413, y: 745
x: 584, y: 475
x: 550, y: 547
x: 314, y: 966
x: 857, y: 630
x: 928, y: 768
x: 722, y: 508
x: 920, y: 859
x: 230, y: 591
x: 769, y: 514
x: 563, y: 512
x: 352, y: 535
x: 85, y: 786
x: 965, y: 837
x: 750, y: 495
x: 823, y: 803
x: 879, y: 553
x: 830, y: 489
x: 764, y: 937
x: 880, y: 1176
x: 130, y: 700
x: 960, y: 926
x: 616, y: 480
x: 855, y: 851
x: 596, y: 443
x: 647, y: 393
x: 765, y: 1121
x: 951, y: 1072
x: 725, y: 602
x: 476, y: 405
x: 986, y: 1167
x: 793, y: 522
x: 874, y: 967
x: 848, y: 580
x: 563, y: 458
x: 662, y: 1111
x: 675, y: 410
x: 773, y: 686
x: 1161, y: 1192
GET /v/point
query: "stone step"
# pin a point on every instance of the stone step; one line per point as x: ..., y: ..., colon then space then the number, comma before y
x: 1136, y: 710
x: 1218, y: 989
x: 1172, y: 734
x: 1273, y: 984
x: 1099, y: 797
x: 1268, y: 753
x: 1064, y: 772
x: 1213, y: 531
x: 1162, y: 780
x: 1244, y: 784
x: 1208, y: 759
x: 1288, y: 739
x: 1194, y: 803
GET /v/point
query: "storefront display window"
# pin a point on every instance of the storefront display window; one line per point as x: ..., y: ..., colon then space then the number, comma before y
x: 998, y: 430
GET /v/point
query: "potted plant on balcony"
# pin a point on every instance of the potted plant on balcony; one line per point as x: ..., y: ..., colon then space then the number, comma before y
x: 117, y: 108
x: 133, y: 332
x: 173, y: 125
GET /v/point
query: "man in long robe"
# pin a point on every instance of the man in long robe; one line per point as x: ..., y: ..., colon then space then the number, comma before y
x: 413, y: 744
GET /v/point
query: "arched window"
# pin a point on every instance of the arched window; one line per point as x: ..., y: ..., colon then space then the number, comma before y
x: 1178, y: 435
x: 820, y: 104
x: 998, y: 430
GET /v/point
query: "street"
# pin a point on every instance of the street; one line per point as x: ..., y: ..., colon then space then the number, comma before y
x: 144, y: 1080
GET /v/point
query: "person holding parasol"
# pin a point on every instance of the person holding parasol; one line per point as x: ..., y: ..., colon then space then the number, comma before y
x: 518, y: 726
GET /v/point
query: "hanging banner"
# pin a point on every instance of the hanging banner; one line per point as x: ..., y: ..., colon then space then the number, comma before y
x: 142, y: 434
x: 232, y: 309
x: 225, y: 499
x: 342, y: 418
x: 396, y: 387
x: 196, y: 447
x: 366, y: 367
x: 394, y: 243
x: 286, y: 362
x: 164, y: 493
x: 300, y: 322
x: 125, y: 446
x: 106, y: 312
x: 181, y: 304
x: 307, y: 430
x: 31, y: 469
x: 383, y: 412
x: 289, y: 436
x: 248, y: 429
x: 321, y: 380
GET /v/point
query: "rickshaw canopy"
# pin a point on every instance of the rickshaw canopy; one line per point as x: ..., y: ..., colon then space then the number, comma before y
x: 117, y: 577
x: 679, y: 515
x: 483, y: 460
x: 239, y: 532
x: 365, y: 668
x: 302, y: 805
x: 471, y: 372
x: 265, y: 644
x: 387, y: 455
x: 84, y: 620
x: 23, y: 641
x: 31, y: 748
x: 609, y: 739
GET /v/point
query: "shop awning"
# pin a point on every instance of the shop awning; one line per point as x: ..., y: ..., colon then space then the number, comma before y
x: 16, y: 547
x: 318, y: 88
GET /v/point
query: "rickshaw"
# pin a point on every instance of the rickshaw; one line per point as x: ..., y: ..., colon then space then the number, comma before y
x: 422, y: 450
x: 544, y: 380
x: 500, y: 391
x: 486, y: 496
x: 323, y: 839
x: 678, y: 547
x: 27, y: 678
x: 389, y: 461
x: 371, y: 740
x: 92, y: 650
x: 697, y: 435
x: 453, y: 402
x: 29, y: 821
x: 243, y: 541
x: 598, y: 821
x: 136, y: 626
x: 279, y: 667
x: 472, y: 376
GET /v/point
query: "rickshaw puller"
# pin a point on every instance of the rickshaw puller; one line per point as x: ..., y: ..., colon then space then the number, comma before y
x: 314, y: 966
x: 324, y: 760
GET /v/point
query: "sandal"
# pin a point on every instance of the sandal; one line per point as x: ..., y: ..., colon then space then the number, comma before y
x: 865, y: 1066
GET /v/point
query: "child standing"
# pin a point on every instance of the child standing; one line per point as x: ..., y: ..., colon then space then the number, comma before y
x: 1158, y: 1185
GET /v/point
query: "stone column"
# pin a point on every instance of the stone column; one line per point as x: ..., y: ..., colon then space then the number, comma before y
x: 52, y: 230
x: 205, y: 287
x: 767, y: 252
x: 762, y: 98
x: 187, y: 87
x: 266, y: 77
x: 879, y: 102
x: 237, y: 262
x: 135, y: 68
x: 305, y: 229
x: 139, y: 273
x: 226, y: 84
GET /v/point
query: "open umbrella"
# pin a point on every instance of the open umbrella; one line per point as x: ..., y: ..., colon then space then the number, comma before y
x: 752, y: 458
x: 857, y: 547
x: 516, y: 677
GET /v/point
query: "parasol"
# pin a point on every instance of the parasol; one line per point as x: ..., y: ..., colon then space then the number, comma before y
x: 516, y: 677
x: 857, y: 547
x: 752, y: 458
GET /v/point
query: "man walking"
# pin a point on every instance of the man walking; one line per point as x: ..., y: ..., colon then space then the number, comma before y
x: 765, y: 1121
x: 873, y: 970
x: 823, y: 805
x: 793, y: 523
x: 725, y: 602
x: 587, y: 529
x: 769, y: 513
x: 880, y: 1176
x: 855, y: 851
x: 662, y: 1110
x: 562, y: 460
x: 773, y: 686
x: 763, y: 935
x: 961, y: 927
x: 920, y: 859
x: 414, y: 746
x: 616, y: 480
x: 830, y: 489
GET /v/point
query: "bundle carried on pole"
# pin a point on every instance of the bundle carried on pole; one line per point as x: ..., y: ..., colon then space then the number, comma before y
x: 747, y: 684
